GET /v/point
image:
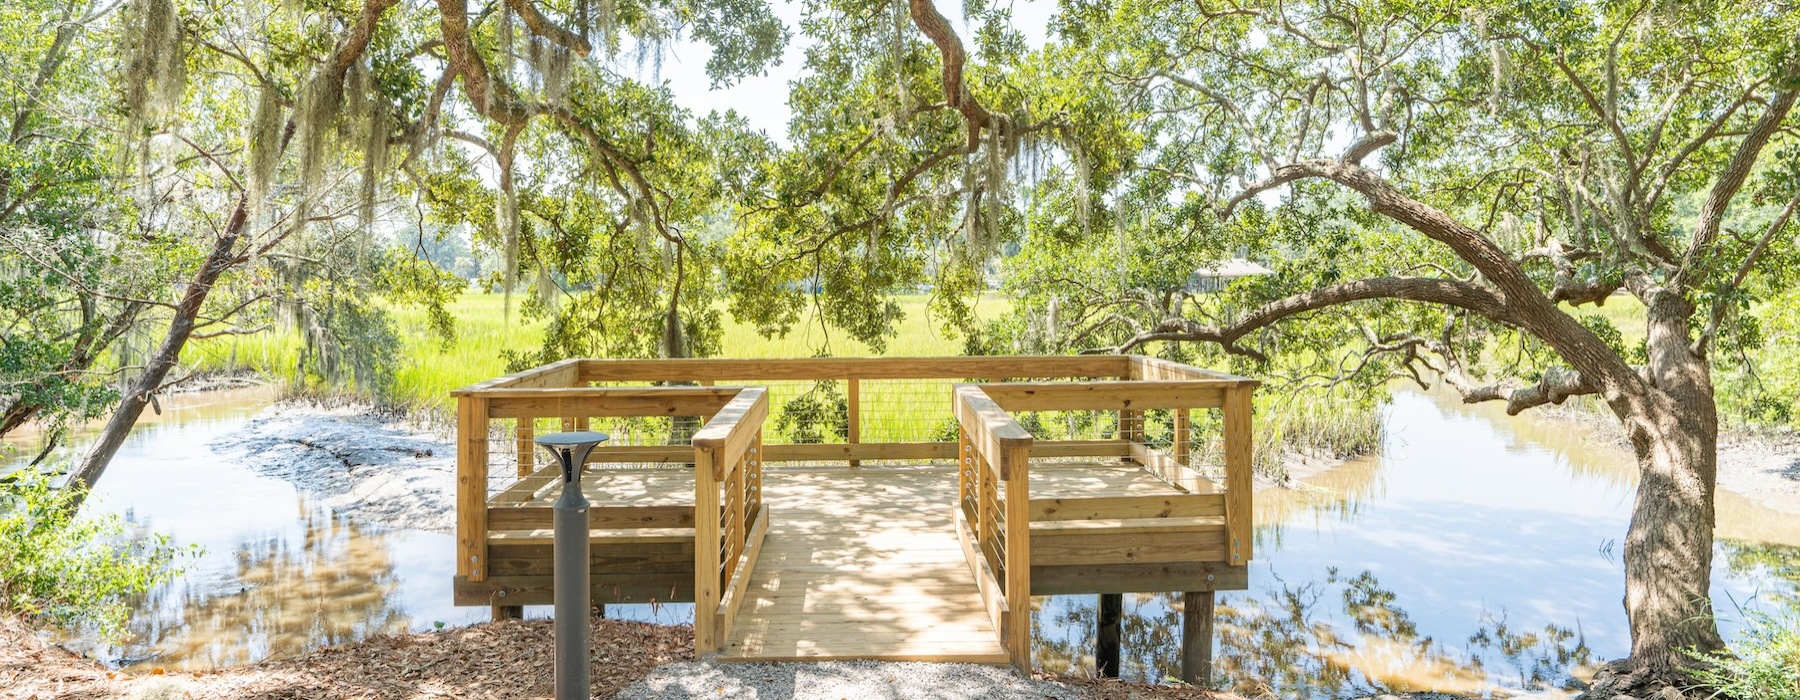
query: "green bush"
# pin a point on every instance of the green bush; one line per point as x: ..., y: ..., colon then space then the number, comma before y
x: 1763, y: 665
x: 73, y: 570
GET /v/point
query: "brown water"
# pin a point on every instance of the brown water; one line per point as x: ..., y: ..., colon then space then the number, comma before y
x: 1478, y: 554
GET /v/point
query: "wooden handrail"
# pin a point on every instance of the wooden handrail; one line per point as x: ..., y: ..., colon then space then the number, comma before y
x: 730, y: 430
x: 843, y: 368
x: 729, y: 518
x: 1001, y: 448
x: 1136, y: 395
x: 559, y: 373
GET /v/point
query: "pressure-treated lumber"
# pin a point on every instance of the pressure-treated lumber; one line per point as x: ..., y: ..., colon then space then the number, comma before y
x: 841, y: 559
x: 735, y: 591
x: 1239, y: 521
x: 1044, y: 510
x: 592, y: 402
x: 853, y: 405
x: 1127, y: 395
x: 1197, y: 638
x: 751, y: 371
x: 1137, y: 578
x: 471, y: 486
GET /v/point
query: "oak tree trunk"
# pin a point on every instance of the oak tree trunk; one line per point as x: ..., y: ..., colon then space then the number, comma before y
x: 1674, y: 431
x: 1669, y: 548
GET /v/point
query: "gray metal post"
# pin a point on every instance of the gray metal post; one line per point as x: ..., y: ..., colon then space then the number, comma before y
x: 571, y: 584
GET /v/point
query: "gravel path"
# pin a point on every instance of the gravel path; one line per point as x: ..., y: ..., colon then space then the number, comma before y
x: 840, y: 679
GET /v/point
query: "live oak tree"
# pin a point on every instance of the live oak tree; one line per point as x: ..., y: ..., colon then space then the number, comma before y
x: 1449, y: 184
x: 1442, y: 187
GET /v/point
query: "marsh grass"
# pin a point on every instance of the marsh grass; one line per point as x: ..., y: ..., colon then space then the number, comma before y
x: 431, y: 368
x: 1318, y: 426
x: 1764, y: 664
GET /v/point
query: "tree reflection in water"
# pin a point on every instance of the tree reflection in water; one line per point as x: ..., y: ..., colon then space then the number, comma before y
x: 1765, y: 562
x: 1278, y: 640
x: 331, y: 582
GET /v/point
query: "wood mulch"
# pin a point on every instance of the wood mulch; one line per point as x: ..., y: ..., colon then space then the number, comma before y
x: 505, y: 659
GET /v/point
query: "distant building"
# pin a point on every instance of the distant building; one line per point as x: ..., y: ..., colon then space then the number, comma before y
x: 1216, y: 277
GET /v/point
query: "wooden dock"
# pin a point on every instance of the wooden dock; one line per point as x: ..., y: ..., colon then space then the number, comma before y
x: 907, y: 548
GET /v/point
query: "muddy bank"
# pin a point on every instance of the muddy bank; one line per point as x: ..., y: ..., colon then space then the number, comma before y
x: 1765, y: 467
x: 362, y: 465
x: 1762, y: 465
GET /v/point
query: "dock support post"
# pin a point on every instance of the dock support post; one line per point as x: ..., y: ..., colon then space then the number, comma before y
x: 1197, y: 638
x: 1106, y: 638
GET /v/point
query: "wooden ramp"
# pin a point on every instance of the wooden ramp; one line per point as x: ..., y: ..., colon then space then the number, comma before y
x: 862, y: 564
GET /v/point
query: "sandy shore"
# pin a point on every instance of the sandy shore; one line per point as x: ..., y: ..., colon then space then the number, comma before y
x: 1764, y: 467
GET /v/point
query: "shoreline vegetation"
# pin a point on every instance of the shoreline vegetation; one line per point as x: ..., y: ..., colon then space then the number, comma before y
x: 1318, y: 432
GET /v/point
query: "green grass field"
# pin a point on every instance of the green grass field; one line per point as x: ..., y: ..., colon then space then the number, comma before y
x: 428, y: 370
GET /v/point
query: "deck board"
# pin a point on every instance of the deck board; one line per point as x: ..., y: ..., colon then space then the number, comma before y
x: 858, y: 564
x: 865, y: 564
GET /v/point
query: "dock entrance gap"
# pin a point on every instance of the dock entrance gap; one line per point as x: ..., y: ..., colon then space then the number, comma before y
x: 878, y: 508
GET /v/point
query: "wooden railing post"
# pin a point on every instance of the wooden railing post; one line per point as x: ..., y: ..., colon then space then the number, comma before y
x: 1016, y: 465
x: 1239, y: 525
x: 707, y: 587
x: 527, y: 449
x: 1183, y: 446
x: 471, y: 486
x: 966, y: 475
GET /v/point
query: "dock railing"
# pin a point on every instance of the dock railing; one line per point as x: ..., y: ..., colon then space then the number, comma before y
x: 730, y: 519
x: 1018, y: 546
x: 993, y: 494
x: 716, y: 417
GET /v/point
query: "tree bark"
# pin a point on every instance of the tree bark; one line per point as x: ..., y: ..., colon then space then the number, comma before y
x: 1669, y: 548
x: 181, y: 327
x: 1674, y: 432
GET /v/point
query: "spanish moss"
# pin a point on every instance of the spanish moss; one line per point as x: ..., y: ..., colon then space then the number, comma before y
x: 264, y: 144
x: 156, y: 65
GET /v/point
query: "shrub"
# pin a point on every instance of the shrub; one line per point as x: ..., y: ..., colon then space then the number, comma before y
x: 68, y: 569
x: 1763, y: 665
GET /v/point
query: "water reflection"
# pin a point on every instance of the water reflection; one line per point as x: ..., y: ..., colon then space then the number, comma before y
x: 280, y: 573
x: 1485, y: 556
x: 1333, y: 638
x: 335, y: 583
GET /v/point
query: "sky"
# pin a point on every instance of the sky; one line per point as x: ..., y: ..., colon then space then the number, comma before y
x: 763, y: 99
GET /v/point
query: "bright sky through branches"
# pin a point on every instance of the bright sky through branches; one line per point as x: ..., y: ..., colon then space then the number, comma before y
x: 763, y: 99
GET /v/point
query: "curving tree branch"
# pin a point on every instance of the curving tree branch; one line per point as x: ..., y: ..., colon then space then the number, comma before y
x: 1455, y: 293
x: 932, y: 23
